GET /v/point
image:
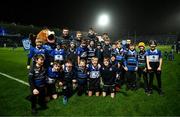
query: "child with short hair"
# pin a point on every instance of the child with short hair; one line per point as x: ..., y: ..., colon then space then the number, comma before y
x: 53, y: 75
x: 99, y: 52
x: 69, y: 80
x: 71, y: 53
x: 34, y: 51
x: 107, y: 48
x: 37, y: 77
x: 91, y: 51
x: 108, y: 74
x: 94, y: 76
x: 82, y: 51
x: 131, y: 66
x: 82, y: 77
x: 58, y: 53
x: 154, y: 65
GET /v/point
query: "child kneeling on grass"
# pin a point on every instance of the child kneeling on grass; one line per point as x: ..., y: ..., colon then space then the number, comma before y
x: 53, y: 75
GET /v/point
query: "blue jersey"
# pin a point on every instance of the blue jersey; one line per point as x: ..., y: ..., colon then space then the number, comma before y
x: 37, y: 77
x: 120, y: 53
x: 81, y: 73
x: 52, y: 76
x: 91, y: 52
x: 154, y: 56
x: 48, y: 48
x: 94, y: 72
x: 36, y: 51
x: 131, y: 61
x: 58, y: 55
x: 82, y: 52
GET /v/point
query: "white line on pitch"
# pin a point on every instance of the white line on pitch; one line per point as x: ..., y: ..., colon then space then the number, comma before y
x: 13, y: 78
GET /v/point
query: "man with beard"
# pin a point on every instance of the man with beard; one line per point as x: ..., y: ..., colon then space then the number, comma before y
x: 65, y: 38
x: 92, y: 35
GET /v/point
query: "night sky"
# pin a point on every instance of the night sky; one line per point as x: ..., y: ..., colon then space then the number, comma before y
x: 142, y: 16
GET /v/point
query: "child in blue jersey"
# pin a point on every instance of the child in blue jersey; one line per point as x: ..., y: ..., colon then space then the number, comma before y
x: 82, y: 51
x: 69, y: 80
x: 37, y: 82
x: 120, y: 53
x: 34, y: 51
x: 53, y: 75
x: 82, y: 77
x: 58, y: 53
x: 154, y: 65
x: 94, y: 76
x: 131, y: 66
x: 91, y: 51
x: 108, y: 74
x: 142, y: 67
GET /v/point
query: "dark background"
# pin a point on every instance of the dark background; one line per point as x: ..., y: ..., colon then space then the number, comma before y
x: 142, y: 16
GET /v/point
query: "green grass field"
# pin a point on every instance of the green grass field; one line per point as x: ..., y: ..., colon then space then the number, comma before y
x: 13, y: 102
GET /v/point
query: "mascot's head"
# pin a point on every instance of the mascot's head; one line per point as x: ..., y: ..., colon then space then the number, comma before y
x: 46, y: 36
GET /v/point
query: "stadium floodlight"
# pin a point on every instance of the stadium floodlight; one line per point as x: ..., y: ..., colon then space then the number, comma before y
x: 103, y: 20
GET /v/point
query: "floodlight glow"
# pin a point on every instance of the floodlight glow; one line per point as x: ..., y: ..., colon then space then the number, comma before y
x: 103, y: 20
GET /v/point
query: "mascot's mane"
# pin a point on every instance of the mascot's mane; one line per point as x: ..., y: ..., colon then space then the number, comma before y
x: 46, y: 36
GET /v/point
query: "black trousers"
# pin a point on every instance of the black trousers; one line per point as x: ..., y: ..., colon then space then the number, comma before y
x: 151, y: 77
x: 38, y: 99
x: 82, y: 86
x: 131, y: 79
x: 143, y: 73
x: 67, y: 88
